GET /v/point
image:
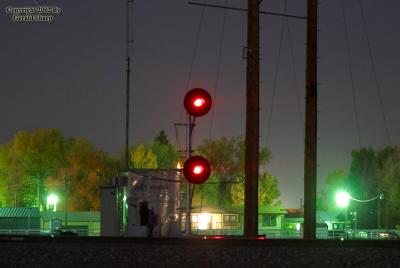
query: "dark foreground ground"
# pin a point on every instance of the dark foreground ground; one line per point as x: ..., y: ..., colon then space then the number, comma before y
x: 185, y: 252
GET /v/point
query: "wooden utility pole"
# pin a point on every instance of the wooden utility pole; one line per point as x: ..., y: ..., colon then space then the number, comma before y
x: 310, y: 160
x: 252, y: 121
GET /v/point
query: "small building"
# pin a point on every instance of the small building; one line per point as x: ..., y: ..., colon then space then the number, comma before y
x: 216, y: 221
x: 20, y: 220
x: 271, y: 220
x: 81, y: 222
x: 229, y: 221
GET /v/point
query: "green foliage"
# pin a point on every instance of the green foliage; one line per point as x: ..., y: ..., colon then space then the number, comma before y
x: 35, y: 163
x: 162, y: 138
x: 268, y: 192
x: 371, y: 173
x: 336, y: 181
x: 142, y: 157
x: 390, y: 186
x: 166, y: 153
x: 226, y: 157
x: 206, y: 194
x: 362, y: 179
x: 160, y: 154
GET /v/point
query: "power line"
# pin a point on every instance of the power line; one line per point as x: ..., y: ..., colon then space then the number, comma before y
x: 219, y: 59
x: 296, y: 84
x: 284, y: 21
x: 192, y: 61
x: 350, y: 66
x: 371, y: 57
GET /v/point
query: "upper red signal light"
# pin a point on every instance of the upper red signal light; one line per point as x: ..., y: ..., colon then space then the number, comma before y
x: 197, y: 102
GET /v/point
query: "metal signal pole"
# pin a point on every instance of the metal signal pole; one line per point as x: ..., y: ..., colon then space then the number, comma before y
x: 252, y: 121
x: 310, y: 160
x: 128, y: 71
x: 189, y: 131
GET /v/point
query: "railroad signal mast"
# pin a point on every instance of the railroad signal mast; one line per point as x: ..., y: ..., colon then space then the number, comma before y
x: 196, y: 169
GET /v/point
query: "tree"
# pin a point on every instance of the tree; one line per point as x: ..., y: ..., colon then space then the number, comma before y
x: 30, y: 158
x: 206, y: 194
x: 372, y: 172
x: 84, y: 165
x: 268, y: 192
x: 34, y: 163
x: 142, y: 157
x: 226, y: 157
x: 363, y: 184
x: 166, y: 153
x: 162, y: 138
x: 335, y: 181
x: 389, y: 160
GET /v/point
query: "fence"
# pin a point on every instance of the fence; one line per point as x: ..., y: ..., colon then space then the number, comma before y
x: 83, y: 232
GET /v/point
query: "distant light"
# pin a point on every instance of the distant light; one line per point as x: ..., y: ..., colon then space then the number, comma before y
x: 52, y: 199
x: 204, y: 221
x: 342, y: 199
x: 198, y: 170
x: 178, y: 165
x: 217, y: 237
x: 198, y: 102
x: 298, y: 227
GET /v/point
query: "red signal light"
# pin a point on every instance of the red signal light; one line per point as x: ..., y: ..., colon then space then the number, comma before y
x: 197, y: 102
x: 196, y: 169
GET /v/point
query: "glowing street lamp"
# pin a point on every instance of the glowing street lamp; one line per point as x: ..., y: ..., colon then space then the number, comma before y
x: 52, y: 200
x: 342, y: 199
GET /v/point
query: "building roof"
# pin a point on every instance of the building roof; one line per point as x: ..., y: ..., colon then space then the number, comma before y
x: 22, y: 212
x: 323, y: 216
x: 212, y: 209
x: 77, y: 216
x: 239, y: 210
x: 272, y: 210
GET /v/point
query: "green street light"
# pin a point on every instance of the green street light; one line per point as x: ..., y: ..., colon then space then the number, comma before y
x: 342, y: 199
x: 52, y: 200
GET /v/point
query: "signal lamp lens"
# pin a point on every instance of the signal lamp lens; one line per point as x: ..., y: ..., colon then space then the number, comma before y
x: 197, y: 102
x: 196, y: 169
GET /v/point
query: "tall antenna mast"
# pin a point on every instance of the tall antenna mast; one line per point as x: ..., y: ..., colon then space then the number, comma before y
x: 128, y: 71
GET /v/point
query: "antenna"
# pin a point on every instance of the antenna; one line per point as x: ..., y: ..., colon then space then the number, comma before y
x: 129, y: 42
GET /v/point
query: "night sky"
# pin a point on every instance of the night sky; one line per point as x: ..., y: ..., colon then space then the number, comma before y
x: 71, y: 75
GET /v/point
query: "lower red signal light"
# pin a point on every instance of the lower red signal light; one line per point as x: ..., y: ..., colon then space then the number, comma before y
x: 196, y: 169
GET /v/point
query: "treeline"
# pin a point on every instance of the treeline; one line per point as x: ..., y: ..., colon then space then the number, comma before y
x: 34, y: 164
x: 373, y: 174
